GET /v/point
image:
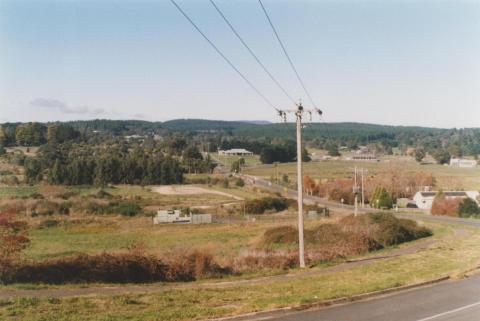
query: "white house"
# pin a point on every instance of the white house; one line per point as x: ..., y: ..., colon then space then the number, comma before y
x: 234, y: 152
x: 461, y: 162
x: 424, y: 200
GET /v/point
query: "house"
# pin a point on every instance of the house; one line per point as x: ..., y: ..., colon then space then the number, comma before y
x: 424, y: 200
x: 461, y: 162
x: 234, y: 152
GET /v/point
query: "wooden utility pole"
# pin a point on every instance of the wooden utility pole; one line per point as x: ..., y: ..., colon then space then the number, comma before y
x: 298, y: 115
x: 301, y: 248
x: 355, y: 192
x: 363, y: 194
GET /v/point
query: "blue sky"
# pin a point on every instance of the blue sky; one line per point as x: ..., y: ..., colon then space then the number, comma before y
x: 389, y: 62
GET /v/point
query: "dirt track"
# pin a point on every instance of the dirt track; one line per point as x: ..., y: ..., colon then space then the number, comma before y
x: 189, y: 190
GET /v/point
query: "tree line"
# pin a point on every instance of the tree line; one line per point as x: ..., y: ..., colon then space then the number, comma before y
x: 80, y: 164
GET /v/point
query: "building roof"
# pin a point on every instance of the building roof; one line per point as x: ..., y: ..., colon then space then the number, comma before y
x: 237, y: 150
x: 450, y: 194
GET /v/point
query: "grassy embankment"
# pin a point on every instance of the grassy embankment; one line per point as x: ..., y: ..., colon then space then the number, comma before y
x: 450, y: 255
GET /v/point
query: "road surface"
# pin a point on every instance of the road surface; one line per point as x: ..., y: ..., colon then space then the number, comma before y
x: 451, y: 300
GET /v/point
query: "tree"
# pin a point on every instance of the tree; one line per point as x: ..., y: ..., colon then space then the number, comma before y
x: 332, y: 150
x: 468, y: 207
x: 33, y: 170
x: 419, y: 154
x: 192, y: 159
x: 441, y: 156
x: 236, y: 167
x: 381, y: 198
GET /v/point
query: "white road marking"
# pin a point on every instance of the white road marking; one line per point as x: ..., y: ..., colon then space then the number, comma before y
x: 451, y: 311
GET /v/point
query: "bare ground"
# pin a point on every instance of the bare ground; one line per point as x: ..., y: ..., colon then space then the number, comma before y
x: 189, y: 190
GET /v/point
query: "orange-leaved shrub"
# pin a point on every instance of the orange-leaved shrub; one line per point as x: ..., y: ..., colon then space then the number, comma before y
x: 445, y: 206
x: 13, y: 239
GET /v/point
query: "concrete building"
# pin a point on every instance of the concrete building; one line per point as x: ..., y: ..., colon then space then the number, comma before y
x: 424, y: 200
x: 365, y: 157
x: 460, y: 162
x: 175, y: 216
x: 234, y: 152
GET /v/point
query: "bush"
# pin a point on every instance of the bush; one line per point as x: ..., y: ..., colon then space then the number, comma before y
x: 240, y: 183
x: 259, y: 206
x: 117, y: 268
x: 64, y: 208
x: 468, y: 208
x: 225, y: 183
x: 49, y: 223
x: 125, y: 208
x: 445, y: 206
x: 45, y: 208
x: 351, y: 236
x: 128, y: 208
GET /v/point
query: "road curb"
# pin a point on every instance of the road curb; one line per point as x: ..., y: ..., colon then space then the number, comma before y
x: 327, y: 303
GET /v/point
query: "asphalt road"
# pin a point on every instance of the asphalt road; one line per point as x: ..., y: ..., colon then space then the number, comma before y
x: 451, y: 300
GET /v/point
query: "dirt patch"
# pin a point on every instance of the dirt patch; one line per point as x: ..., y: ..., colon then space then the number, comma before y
x: 190, y: 190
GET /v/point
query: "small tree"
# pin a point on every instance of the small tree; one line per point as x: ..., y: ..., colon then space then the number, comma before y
x: 381, y: 198
x: 332, y: 150
x: 419, y: 154
x: 468, y: 207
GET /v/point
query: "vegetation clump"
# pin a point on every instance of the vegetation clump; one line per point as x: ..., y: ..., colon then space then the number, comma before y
x: 129, y: 267
x: 350, y: 236
x: 260, y: 206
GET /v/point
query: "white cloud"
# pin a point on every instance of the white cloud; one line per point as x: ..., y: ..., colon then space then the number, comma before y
x: 65, y: 108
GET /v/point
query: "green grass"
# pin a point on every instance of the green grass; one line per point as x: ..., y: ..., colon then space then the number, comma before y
x: 18, y: 191
x: 447, y: 177
x: 450, y: 255
x: 116, y: 234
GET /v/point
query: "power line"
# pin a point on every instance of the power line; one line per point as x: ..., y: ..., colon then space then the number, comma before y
x: 223, y: 56
x: 286, y: 54
x: 251, y: 51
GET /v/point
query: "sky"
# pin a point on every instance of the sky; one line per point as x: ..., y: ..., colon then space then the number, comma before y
x: 387, y: 62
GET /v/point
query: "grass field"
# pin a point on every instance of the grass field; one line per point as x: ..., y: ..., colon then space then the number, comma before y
x: 447, y: 177
x: 250, y: 160
x: 199, y: 303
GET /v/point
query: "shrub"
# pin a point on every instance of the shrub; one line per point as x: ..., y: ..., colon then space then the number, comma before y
x: 225, y: 183
x: 45, y: 208
x: 445, y: 206
x: 128, y: 208
x: 64, y: 208
x: 351, y: 236
x: 66, y: 195
x: 259, y: 206
x: 118, y: 268
x: 240, y: 183
x: 468, y: 207
x: 49, y: 223
x: 13, y: 239
x: 103, y: 194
